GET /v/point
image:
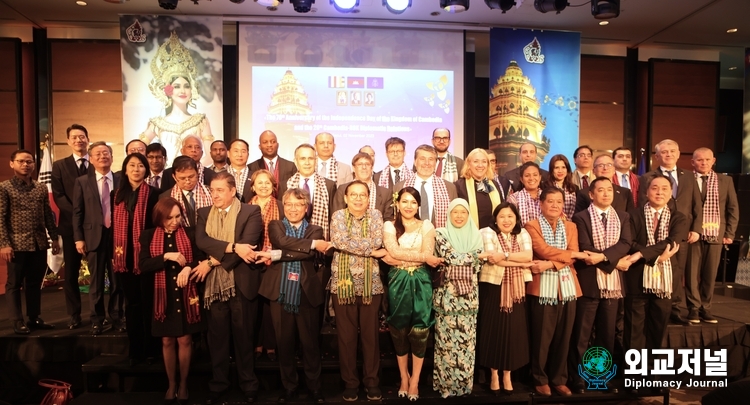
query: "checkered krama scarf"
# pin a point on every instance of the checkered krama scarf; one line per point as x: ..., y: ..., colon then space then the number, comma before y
x: 270, y: 212
x: 121, y: 220
x: 562, y: 279
x: 240, y: 177
x: 450, y: 170
x: 440, y: 205
x: 332, y: 170
x: 320, y: 201
x: 528, y: 206
x: 202, y: 198
x: 609, y: 284
x: 711, y: 212
x: 513, y: 288
x: 385, y: 176
x: 189, y: 292
x: 657, y: 279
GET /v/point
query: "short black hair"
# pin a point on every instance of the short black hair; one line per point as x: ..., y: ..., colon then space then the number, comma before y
x: 182, y: 163
x: 78, y: 127
x: 575, y: 154
x: 238, y: 140
x: 19, y: 151
x: 346, y: 190
x: 550, y: 190
x: 134, y: 140
x: 596, y: 180
x: 517, y: 228
x: 156, y: 147
x: 614, y: 152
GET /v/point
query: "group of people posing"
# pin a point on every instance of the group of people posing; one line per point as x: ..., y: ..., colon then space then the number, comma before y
x: 531, y: 267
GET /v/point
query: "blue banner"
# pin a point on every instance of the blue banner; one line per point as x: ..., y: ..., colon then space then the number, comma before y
x: 535, y: 81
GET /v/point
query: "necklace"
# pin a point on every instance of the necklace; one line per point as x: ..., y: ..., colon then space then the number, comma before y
x: 410, y: 223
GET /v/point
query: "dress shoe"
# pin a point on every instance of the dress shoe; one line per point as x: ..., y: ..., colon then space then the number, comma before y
x: 251, y: 397
x: 563, y: 390
x: 216, y: 398
x: 507, y: 392
x: 317, y: 397
x: 679, y: 320
x: 543, y: 390
x: 74, y: 322
x: 693, y: 316
x: 119, y: 326
x: 579, y: 387
x: 373, y: 393
x: 20, y: 328
x: 707, y: 317
x: 611, y: 388
x: 287, y: 396
x: 38, y: 323
x: 183, y: 401
x: 96, y: 329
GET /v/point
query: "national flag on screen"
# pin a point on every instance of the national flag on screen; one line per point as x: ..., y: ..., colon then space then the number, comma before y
x: 356, y: 82
x: 336, y: 82
x: 45, y: 177
x: 642, y: 163
x: 374, y: 82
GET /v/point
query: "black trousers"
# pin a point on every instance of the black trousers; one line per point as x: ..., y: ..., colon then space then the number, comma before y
x: 26, y: 270
x: 590, y: 313
x: 703, y: 264
x: 72, y: 269
x: 358, y: 322
x: 551, y: 327
x: 678, y: 274
x: 139, y: 298
x: 100, y: 265
x: 306, y: 325
x: 646, y: 318
x: 232, y: 320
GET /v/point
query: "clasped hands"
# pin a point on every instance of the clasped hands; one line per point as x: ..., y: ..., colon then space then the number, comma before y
x: 197, y: 273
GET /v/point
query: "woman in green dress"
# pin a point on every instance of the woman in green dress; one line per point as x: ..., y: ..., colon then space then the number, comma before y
x: 410, y: 243
x: 456, y: 301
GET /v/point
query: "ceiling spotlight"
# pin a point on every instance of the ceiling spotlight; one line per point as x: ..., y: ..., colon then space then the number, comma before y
x: 603, y: 22
x: 454, y: 6
x: 545, y: 6
x: 504, y: 5
x: 733, y: 68
x: 302, y: 6
x: 238, y: 1
x: 731, y: 30
x: 345, y: 6
x: 397, y: 6
x: 82, y: 3
x: 264, y: 3
x: 168, y: 4
x: 605, y: 9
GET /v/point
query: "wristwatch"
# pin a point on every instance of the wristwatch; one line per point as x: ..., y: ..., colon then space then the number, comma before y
x: 507, y: 255
x: 211, y: 264
x: 234, y: 246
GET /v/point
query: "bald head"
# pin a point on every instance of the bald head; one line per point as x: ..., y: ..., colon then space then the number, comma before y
x: 324, y: 145
x: 268, y: 144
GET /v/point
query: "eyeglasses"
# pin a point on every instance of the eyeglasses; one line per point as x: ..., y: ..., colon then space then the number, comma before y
x: 358, y: 196
x: 186, y: 178
x: 603, y: 165
x: 152, y: 157
x: 136, y: 150
x: 363, y: 165
x: 101, y: 154
x: 441, y: 138
x: 298, y: 206
x: 24, y: 162
x: 395, y: 151
x: 581, y: 155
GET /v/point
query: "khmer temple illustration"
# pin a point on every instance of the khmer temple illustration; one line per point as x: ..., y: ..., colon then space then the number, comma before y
x: 289, y: 99
x: 515, y: 118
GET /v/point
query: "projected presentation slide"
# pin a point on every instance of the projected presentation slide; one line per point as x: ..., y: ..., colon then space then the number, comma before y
x: 359, y: 106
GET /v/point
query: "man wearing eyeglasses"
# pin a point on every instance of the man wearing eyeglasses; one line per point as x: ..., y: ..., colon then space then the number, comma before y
x: 25, y: 213
x: 397, y: 170
x: 604, y: 167
x: 64, y: 174
x: 92, y: 227
x: 156, y: 155
x: 380, y: 197
x: 448, y: 165
x: 582, y: 174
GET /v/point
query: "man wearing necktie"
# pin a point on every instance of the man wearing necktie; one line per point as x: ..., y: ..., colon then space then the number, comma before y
x: 327, y: 165
x: 395, y: 150
x: 623, y: 176
x: 719, y: 218
x: 448, y: 166
x: 156, y: 155
x: 685, y: 199
x: 281, y: 168
x: 584, y: 159
x: 64, y: 174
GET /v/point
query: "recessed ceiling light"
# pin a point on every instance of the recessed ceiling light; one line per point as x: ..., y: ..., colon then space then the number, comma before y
x: 603, y: 22
x: 733, y: 68
x: 82, y: 3
x: 435, y: 13
x: 731, y: 30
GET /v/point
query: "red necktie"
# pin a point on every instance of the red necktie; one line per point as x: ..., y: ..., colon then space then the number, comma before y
x: 439, y: 170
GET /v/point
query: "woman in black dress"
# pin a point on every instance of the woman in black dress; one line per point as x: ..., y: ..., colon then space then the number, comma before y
x: 170, y: 254
x: 478, y: 188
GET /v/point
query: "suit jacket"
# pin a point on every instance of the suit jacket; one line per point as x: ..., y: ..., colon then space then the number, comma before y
x: 376, y: 179
x: 450, y: 187
x: 587, y: 273
x: 166, y: 182
x: 344, y: 173
x: 249, y: 229
x: 678, y: 230
x: 559, y: 258
x: 208, y: 175
x: 285, y: 169
x: 190, y: 212
x: 462, y: 192
x: 505, y: 186
x: 293, y: 249
x: 575, y: 178
x: 87, y: 209
x: 383, y: 201
x: 64, y: 174
x: 621, y: 201
x: 514, y: 176
x: 688, y: 199
x: 729, y: 210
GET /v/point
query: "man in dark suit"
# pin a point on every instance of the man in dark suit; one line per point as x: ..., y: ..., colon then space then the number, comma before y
x: 527, y: 153
x: 502, y: 181
x: 232, y: 282
x: 397, y: 170
x: 652, y: 260
x: 362, y: 164
x: 582, y: 175
x: 604, y: 233
x: 238, y: 153
x: 321, y: 189
x: 719, y: 218
x: 156, y: 155
x: 193, y: 147
x: 92, y: 232
x: 294, y: 272
x: 64, y: 173
x: 686, y: 199
x: 281, y: 168
x: 191, y: 195
x: 448, y: 165
x: 604, y: 167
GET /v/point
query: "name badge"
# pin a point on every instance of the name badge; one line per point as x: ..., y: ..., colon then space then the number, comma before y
x: 293, y: 277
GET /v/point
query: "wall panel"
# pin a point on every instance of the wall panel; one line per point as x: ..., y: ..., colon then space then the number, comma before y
x: 602, y: 124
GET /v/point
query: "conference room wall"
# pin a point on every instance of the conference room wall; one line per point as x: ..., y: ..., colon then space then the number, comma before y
x: 10, y: 98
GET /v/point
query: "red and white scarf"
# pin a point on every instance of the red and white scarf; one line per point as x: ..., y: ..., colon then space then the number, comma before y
x: 711, y: 212
x: 528, y: 206
x: 189, y: 292
x: 120, y: 234
x: 657, y: 279
x: 609, y: 284
x: 513, y: 288
x: 320, y: 201
x: 269, y: 212
x: 373, y: 194
x: 202, y: 199
x: 440, y: 204
x: 385, y: 176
